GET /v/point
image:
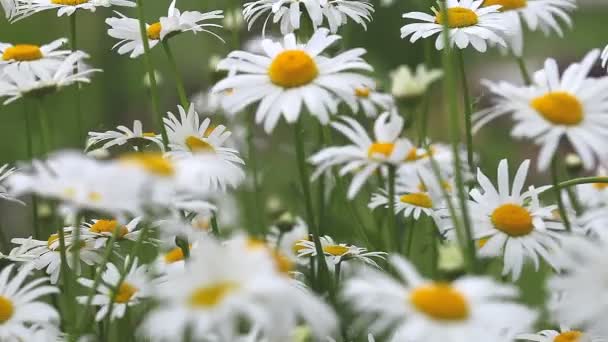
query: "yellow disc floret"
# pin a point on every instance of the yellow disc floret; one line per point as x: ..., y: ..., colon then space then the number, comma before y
x: 153, y: 163
x: 512, y: 219
x: 440, y: 301
x: 507, y: 5
x: 196, y: 144
x: 69, y: 2
x: 569, y: 336
x: 385, y: 149
x: 335, y: 250
x: 458, y: 17
x: 212, y: 295
x: 22, y: 53
x: 362, y: 92
x: 559, y: 107
x: 6, y: 309
x: 418, y: 199
x: 292, y: 68
x: 108, y: 226
x: 154, y: 31
x: 125, y: 292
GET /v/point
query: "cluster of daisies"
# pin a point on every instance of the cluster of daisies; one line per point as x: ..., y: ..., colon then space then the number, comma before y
x: 137, y: 227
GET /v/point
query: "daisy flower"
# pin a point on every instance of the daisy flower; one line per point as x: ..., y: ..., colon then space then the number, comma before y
x: 46, y: 254
x: 127, y: 29
x: 337, y: 12
x: 26, y: 8
x: 417, y: 309
x: 409, y: 85
x: 364, y: 156
x: 122, y: 135
x: 285, y: 12
x: 372, y: 102
x: 20, y: 80
x: 290, y: 75
x: 42, y: 58
x: 102, y: 230
x: 336, y: 253
x: 289, y: 242
x: 468, y: 22
x: 535, y: 14
x: 220, y: 289
x: 583, y: 301
x: 129, y: 292
x: 20, y: 304
x: 564, y: 334
x: 513, y: 223
x: 571, y: 106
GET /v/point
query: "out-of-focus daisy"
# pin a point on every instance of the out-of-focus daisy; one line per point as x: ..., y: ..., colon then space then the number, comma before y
x: 287, y: 12
x: 102, y: 230
x: 564, y: 334
x: 536, y: 14
x: 417, y: 309
x: 364, y: 156
x: 583, y: 301
x: 41, y: 58
x: 127, y: 29
x: 20, y: 80
x: 290, y: 75
x: 134, y: 287
x: 221, y: 288
x: 513, y: 223
x: 26, y: 8
x: 604, y: 57
x: 5, y: 172
x: 46, y: 254
x: 372, y: 102
x: 9, y: 7
x: 407, y: 85
x: 233, y: 20
x: 337, y: 12
x: 288, y: 243
x: 336, y: 253
x: 122, y: 135
x: 571, y: 106
x: 468, y: 22
x: 20, y: 304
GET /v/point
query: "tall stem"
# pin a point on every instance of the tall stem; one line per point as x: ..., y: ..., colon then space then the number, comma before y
x: 179, y: 82
x: 560, y: 203
x: 305, y: 184
x: 467, y: 111
x: 525, y: 75
x: 74, y: 47
x: 253, y: 166
x: 582, y: 180
x: 65, y: 276
x: 151, y: 76
x: 214, y: 226
x: 30, y: 156
x: 45, y: 131
x: 391, y: 230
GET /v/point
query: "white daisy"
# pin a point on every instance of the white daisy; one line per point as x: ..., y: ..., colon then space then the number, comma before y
x: 46, y: 57
x: 288, y: 242
x: 512, y: 223
x: 9, y: 7
x: 26, y: 8
x: 127, y: 29
x: 468, y: 22
x: 220, y: 289
x: 364, y: 156
x: 572, y: 106
x: 20, y: 80
x: 19, y: 307
x: 336, y: 253
x: 407, y: 84
x: 287, y: 12
x: 102, y: 230
x: 46, y: 254
x: 535, y: 14
x: 337, y: 12
x: 122, y: 135
x: 372, y: 102
x: 5, y: 172
x: 417, y: 309
x: 130, y: 292
x: 583, y: 301
x: 292, y: 74
x: 564, y: 334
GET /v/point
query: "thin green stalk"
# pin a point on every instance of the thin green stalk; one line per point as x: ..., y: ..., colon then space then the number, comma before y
x: 337, y: 269
x: 30, y: 156
x: 253, y: 166
x: 434, y: 251
x: 44, y: 127
x: 76, y: 241
x: 467, y: 111
x: 215, y: 229
x: 450, y: 84
x: 184, y: 246
x: 579, y: 181
x: 525, y: 75
x: 74, y: 47
x: 560, y: 203
x: 70, y: 304
x: 409, y: 238
x: 179, y: 82
x: 391, y: 230
x: 305, y: 184
x: 148, y: 64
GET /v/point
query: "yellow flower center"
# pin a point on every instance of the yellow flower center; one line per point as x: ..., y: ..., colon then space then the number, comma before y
x: 559, y: 107
x: 600, y: 186
x: 482, y: 242
x: 569, y: 336
x: 458, y: 17
x: 108, y: 226
x: 51, y: 240
x: 380, y: 148
x: 362, y: 92
x: 149, y: 134
x: 440, y: 301
x: 125, y: 292
x: 335, y: 250
x: 282, y: 262
x: 418, y: 199
x: 512, y: 219
x: 196, y: 144
x: 210, y: 296
x: 69, y: 2
x: 6, y: 309
x: 175, y: 255
x: 507, y: 5
x: 22, y: 53
x: 154, y: 31
x: 292, y: 68
x: 153, y: 163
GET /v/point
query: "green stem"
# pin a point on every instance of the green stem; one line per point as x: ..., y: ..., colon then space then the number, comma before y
x: 337, y: 269
x: 560, y: 203
x: 467, y: 111
x: 525, y: 75
x: 305, y: 184
x: 215, y: 229
x: 44, y: 127
x: 30, y: 156
x: 148, y: 64
x: 391, y: 230
x: 579, y: 181
x: 65, y: 276
x: 253, y: 166
x: 184, y: 246
x: 74, y: 47
x: 76, y: 242
x: 410, y: 237
x: 450, y: 84
x: 179, y: 82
